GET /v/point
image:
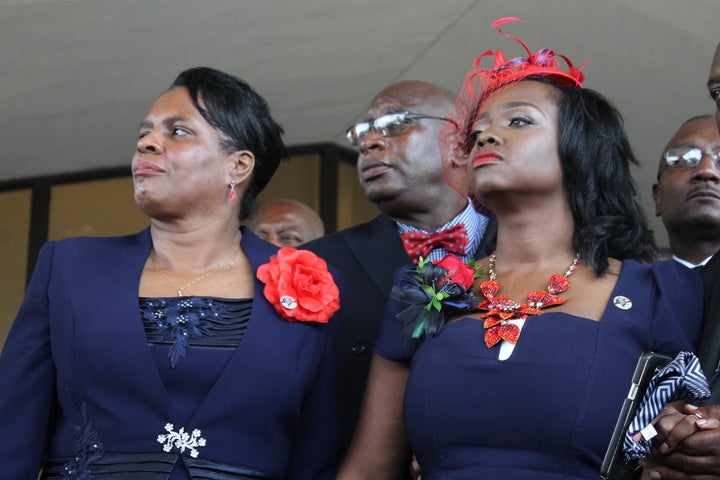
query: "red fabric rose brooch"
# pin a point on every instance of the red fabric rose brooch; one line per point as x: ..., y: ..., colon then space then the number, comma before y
x: 299, y: 286
x: 434, y: 290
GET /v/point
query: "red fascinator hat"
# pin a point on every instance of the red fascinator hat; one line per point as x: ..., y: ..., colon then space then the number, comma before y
x: 481, y: 81
x: 543, y: 63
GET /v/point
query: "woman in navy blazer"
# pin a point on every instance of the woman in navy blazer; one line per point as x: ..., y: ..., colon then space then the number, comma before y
x: 192, y: 349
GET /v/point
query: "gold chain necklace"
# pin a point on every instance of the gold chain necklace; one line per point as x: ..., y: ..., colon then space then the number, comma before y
x: 179, y: 290
x: 189, y: 284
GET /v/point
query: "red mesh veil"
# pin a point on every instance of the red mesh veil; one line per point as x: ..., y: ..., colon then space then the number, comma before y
x: 480, y: 82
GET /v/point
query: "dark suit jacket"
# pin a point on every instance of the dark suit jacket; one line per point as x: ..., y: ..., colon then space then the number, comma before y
x: 709, y: 351
x: 368, y: 256
x: 79, y: 332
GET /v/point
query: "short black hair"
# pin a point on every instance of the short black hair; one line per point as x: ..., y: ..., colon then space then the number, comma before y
x: 243, y: 118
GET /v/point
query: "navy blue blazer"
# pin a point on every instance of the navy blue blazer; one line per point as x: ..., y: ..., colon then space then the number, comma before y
x: 78, y: 343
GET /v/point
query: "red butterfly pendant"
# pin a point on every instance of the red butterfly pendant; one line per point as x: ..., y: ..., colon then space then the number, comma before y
x: 498, y: 310
x: 504, y: 331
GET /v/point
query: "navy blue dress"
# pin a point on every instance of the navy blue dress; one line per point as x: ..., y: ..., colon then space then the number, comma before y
x: 193, y: 337
x: 546, y: 412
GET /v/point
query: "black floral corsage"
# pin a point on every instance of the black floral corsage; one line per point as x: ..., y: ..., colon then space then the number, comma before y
x: 434, y: 290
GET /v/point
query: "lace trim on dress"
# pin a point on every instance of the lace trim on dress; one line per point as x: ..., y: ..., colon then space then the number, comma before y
x: 198, y: 321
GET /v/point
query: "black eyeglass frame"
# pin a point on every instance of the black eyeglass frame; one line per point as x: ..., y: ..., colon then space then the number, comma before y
x: 354, y: 134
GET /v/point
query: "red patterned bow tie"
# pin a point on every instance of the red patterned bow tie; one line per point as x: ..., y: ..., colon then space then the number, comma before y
x: 419, y: 244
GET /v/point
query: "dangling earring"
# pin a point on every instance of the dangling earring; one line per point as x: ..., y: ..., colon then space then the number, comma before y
x: 232, y: 194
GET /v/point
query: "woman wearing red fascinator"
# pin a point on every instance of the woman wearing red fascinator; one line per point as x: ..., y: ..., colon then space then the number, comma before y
x: 521, y: 373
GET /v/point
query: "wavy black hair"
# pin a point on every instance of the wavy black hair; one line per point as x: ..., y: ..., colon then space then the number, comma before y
x: 242, y: 117
x: 596, y: 156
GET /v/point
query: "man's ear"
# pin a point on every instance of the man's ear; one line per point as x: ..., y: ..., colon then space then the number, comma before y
x: 656, y: 197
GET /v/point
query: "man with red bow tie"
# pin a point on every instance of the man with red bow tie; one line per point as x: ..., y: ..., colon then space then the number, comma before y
x: 400, y: 170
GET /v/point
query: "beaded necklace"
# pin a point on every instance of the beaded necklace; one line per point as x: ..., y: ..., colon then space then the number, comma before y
x: 500, y: 310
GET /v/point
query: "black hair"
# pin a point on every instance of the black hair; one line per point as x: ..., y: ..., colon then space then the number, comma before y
x: 243, y: 118
x: 596, y: 155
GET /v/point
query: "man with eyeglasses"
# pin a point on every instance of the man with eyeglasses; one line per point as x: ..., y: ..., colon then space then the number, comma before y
x: 688, y: 441
x: 400, y: 170
x: 687, y: 192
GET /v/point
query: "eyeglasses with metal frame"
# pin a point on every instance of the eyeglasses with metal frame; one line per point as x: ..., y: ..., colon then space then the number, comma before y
x: 387, y: 125
x: 690, y: 156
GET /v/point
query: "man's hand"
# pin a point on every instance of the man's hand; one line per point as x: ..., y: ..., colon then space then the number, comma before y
x: 687, y: 446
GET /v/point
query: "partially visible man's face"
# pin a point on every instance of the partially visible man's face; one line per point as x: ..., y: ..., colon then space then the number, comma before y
x: 690, y: 196
x: 391, y: 166
x: 714, y: 83
x: 285, y: 225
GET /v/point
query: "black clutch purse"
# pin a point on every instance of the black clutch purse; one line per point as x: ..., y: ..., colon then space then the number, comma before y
x: 614, y: 466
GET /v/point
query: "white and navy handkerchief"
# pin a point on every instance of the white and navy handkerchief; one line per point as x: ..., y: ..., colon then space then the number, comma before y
x: 681, y: 379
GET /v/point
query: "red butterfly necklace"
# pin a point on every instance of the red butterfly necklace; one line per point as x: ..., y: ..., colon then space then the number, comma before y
x: 499, y: 310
